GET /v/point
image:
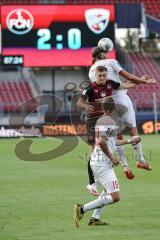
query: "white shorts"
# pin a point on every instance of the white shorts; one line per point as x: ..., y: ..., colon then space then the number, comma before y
x: 106, y: 178
x: 126, y: 111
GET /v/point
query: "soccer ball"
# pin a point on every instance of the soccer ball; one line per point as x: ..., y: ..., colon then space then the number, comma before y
x: 106, y: 44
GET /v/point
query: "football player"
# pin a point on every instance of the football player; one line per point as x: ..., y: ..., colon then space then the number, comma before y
x: 102, y: 162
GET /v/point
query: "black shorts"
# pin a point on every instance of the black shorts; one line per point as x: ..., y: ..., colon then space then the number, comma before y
x: 91, y: 122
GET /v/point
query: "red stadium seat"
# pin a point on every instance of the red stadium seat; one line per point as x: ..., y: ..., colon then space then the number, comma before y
x: 151, y: 6
x: 14, y: 94
x: 142, y: 94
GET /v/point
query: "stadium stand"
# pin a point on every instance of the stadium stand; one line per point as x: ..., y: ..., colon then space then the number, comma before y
x: 152, y: 7
x: 142, y: 95
x: 13, y: 95
x: 34, y: 2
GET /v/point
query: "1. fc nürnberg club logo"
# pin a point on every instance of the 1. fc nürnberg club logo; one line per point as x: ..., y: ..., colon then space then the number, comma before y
x: 97, y: 19
x: 19, y: 21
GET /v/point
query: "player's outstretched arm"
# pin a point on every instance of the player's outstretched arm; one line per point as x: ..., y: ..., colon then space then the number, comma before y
x: 146, y: 79
x: 127, y: 85
x: 134, y: 139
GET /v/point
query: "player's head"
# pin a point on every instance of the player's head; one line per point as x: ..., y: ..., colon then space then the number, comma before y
x: 98, y: 54
x: 108, y: 105
x: 101, y: 75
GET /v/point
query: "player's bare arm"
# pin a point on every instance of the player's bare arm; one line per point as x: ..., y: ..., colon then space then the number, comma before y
x: 103, y: 145
x: 146, y: 79
x: 83, y: 104
x: 132, y: 140
x: 127, y: 85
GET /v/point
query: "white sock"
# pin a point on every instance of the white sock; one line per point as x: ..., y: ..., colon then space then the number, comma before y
x: 138, y: 152
x: 98, y: 211
x: 121, y: 152
x: 98, y: 203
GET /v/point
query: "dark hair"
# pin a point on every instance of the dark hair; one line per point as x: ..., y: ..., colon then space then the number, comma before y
x: 108, y: 105
x: 96, y: 54
x: 101, y: 69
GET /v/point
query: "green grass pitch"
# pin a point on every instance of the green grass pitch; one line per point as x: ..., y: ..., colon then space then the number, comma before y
x: 37, y: 198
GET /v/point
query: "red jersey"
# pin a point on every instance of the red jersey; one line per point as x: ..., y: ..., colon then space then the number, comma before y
x: 95, y: 94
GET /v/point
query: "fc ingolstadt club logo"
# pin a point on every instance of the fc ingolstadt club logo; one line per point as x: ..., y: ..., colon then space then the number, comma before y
x: 97, y: 19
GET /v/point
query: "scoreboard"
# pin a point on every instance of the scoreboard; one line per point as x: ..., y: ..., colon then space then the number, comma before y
x: 10, y: 61
x: 55, y: 35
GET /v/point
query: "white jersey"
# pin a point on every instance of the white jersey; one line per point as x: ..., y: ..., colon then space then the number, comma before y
x: 120, y: 97
x: 113, y: 69
x: 108, y: 128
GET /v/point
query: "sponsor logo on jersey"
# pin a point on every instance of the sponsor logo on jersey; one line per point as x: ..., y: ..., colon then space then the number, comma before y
x: 19, y: 21
x: 103, y: 94
x: 109, y: 132
x: 97, y: 19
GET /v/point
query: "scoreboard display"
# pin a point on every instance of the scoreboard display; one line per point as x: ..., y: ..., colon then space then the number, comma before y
x: 55, y: 35
x: 9, y: 60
